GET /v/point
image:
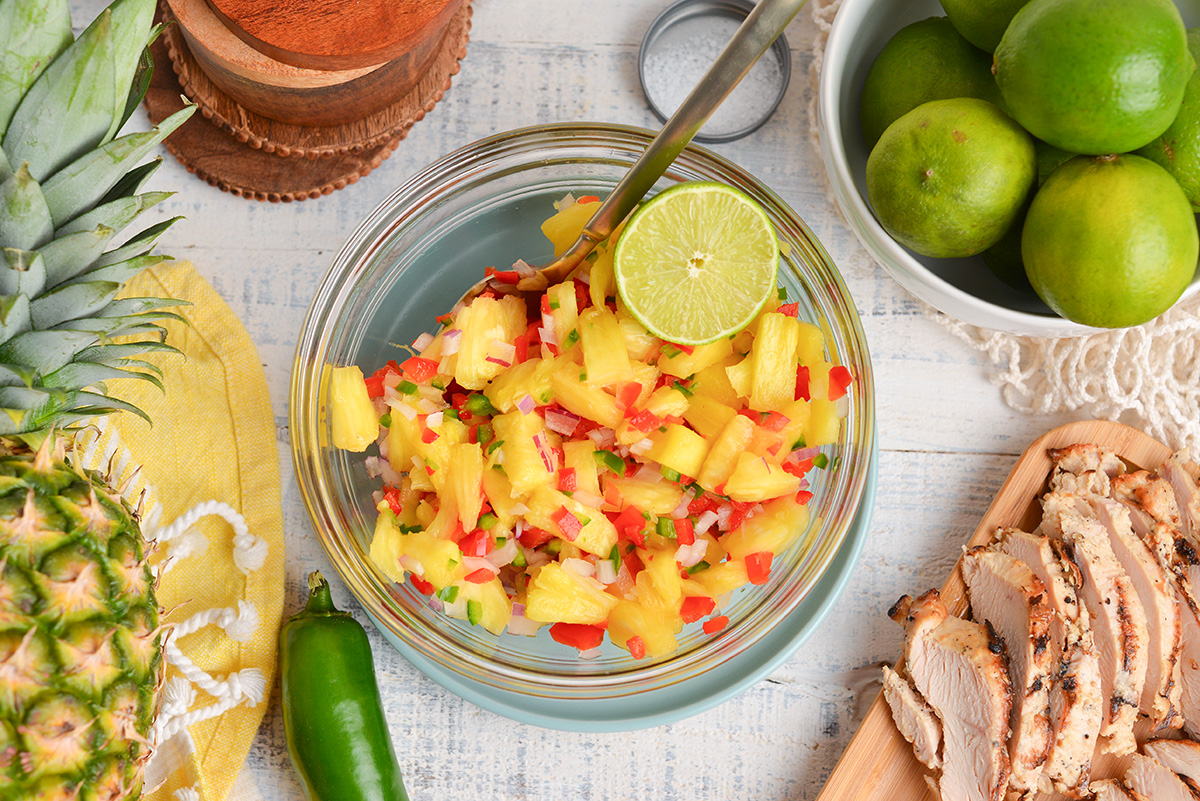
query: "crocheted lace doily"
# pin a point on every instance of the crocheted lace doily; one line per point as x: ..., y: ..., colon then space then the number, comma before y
x: 1147, y: 377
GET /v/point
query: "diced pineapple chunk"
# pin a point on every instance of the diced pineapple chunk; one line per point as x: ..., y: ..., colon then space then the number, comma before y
x: 657, y: 497
x: 602, y: 283
x: 630, y: 619
x: 810, y: 347
x: 682, y: 364
x: 678, y: 448
x: 824, y: 425
x: 667, y: 401
x: 722, y: 577
x: 598, y: 534
x: 758, y: 478
x: 578, y: 456
x: 559, y: 596
x: 353, y: 420
x: 483, y: 322
x: 708, y: 416
x: 773, y: 360
x: 440, y: 560
x: 565, y: 227
x: 495, y: 606
x: 797, y: 412
x: 530, y: 378
x: 659, y: 587
x: 741, y: 377
x: 499, y: 492
x: 713, y: 382
x: 464, y: 483
x: 639, y: 342
x: 564, y: 309
x: 523, y: 462
x: 723, y: 455
x: 604, y: 354
x: 403, y: 441
x: 387, y: 544
x: 583, y: 399
x: 782, y: 521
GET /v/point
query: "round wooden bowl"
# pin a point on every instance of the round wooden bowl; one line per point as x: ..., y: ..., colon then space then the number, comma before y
x: 314, y: 62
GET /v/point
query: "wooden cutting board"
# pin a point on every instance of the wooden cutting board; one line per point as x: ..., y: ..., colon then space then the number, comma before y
x: 879, y: 764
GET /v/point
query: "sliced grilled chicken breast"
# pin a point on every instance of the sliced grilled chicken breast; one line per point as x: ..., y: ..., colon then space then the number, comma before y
x: 959, y: 668
x: 1181, y: 756
x: 1160, y: 694
x: 914, y: 718
x: 1081, y: 469
x: 1149, y: 499
x: 1147, y: 778
x: 1118, y: 621
x: 1109, y: 790
x: 1006, y: 595
x: 1076, y: 706
x: 1182, y: 473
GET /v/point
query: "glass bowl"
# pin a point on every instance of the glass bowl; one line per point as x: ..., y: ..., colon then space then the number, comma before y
x: 409, y: 261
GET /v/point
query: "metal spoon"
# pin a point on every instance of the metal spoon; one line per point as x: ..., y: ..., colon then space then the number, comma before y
x: 752, y: 38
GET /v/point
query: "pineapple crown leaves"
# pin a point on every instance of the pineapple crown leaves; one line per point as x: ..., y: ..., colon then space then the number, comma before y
x: 68, y: 186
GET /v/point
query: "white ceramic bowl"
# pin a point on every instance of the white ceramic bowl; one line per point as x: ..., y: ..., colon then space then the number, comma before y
x: 962, y: 288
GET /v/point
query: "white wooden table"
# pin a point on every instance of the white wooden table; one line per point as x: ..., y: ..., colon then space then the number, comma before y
x: 946, y: 438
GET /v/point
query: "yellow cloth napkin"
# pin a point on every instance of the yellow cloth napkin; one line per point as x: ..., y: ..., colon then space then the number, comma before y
x: 212, y: 439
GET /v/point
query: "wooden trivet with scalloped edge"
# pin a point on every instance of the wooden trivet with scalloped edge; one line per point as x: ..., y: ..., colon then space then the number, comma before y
x: 252, y: 156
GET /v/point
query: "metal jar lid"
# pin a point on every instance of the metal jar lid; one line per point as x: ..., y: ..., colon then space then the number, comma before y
x: 683, y: 42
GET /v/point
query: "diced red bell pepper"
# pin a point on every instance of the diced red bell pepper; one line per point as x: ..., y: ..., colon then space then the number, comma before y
x: 533, y: 537
x: 803, y: 497
x: 521, y: 344
x: 546, y: 304
x: 695, y: 607
x: 567, y: 482
x: 568, y: 524
x: 715, y: 624
x: 423, y: 586
x: 428, y: 435
x: 374, y: 385
x: 588, y: 199
x: 630, y: 525
x: 477, y: 543
x: 839, y: 380
x: 637, y: 648
x: 633, y: 563
x: 758, y: 566
x: 798, y: 469
x: 802, y: 391
x: 583, y: 297
x: 688, y: 349
x: 645, y: 421
x: 419, y: 369
x: 627, y: 395
x: 503, y: 276
x: 685, y: 534
x: 790, y: 309
x: 392, y: 496
x: 480, y: 576
x: 740, y: 512
x: 577, y: 635
x: 702, y: 504
x: 775, y: 422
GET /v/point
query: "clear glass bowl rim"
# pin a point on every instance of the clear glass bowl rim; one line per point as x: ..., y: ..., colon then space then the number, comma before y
x: 420, y: 195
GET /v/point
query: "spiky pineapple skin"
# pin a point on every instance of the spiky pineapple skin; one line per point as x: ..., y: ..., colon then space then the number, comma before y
x: 80, y: 645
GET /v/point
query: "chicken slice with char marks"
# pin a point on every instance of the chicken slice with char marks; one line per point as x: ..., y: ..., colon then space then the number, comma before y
x: 1076, y: 706
x: 1149, y: 499
x: 1110, y: 790
x: 959, y: 668
x: 1181, y: 756
x: 1147, y: 778
x: 1006, y: 594
x: 1182, y: 473
x: 915, y: 719
x: 1082, y: 469
x: 1118, y: 621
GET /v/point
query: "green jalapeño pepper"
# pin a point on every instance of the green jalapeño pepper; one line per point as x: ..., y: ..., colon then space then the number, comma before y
x: 337, y: 734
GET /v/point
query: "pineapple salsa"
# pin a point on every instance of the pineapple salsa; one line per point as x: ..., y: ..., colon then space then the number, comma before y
x: 549, y: 462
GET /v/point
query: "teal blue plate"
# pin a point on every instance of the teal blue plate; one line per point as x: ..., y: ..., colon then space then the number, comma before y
x: 673, y: 702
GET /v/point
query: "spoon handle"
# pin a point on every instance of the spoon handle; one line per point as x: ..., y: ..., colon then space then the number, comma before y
x: 749, y: 42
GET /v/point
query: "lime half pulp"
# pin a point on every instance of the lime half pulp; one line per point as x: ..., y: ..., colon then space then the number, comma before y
x: 697, y: 262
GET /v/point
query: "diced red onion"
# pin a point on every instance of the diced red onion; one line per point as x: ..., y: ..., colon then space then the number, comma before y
x: 602, y: 437
x: 705, y: 521
x: 688, y: 555
x: 681, y: 511
x: 520, y: 509
x: 504, y: 555
x: 521, y: 625
x: 435, y: 603
x: 589, y: 654
x: 567, y: 202
x: 649, y: 472
x: 580, y: 567
x: 451, y: 341
x: 422, y: 342
x: 605, y: 572
x: 548, y: 335
x: 518, y: 609
x: 807, y: 453
x: 842, y: 405
x: 434, y: 420
x: 377, y: 497
x: 524, y: 268
x: 549, y: 459
x: 526, y: 404
x: 392, y: 379
x: 803, y: 484
x: 584, y: 278
x: 473, y: 563
x: 458, y: 609
x: 398, y: 404
x: 535, y: 558
x: 518, y: 528
x: 381, y: 441
x: 561, y: 421
x: 412, y: 564
x: 427, y: 406
x: 381, y: 467
x: 723, y: 513
x: 587, y: 498
x: 502, y: 353
x: 379, y: 404
x: 640, y: 447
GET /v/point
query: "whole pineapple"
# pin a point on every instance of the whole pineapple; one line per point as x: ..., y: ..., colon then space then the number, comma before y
x: 80, y: 643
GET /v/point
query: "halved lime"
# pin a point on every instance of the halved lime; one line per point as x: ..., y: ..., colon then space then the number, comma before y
x: 697, y: 262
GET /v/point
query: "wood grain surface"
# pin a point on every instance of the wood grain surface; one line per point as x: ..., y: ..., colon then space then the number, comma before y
x: 947, y: 440
x: 879, y: 764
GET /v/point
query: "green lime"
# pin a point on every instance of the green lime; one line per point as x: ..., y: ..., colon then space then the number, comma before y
x: 950, y: 177
x: 1110, y: 241
x: 927, y: 60
x: 982, y: 22
x: 1178, y: 149
x: 696, y: 262
x: 1094, y: 76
